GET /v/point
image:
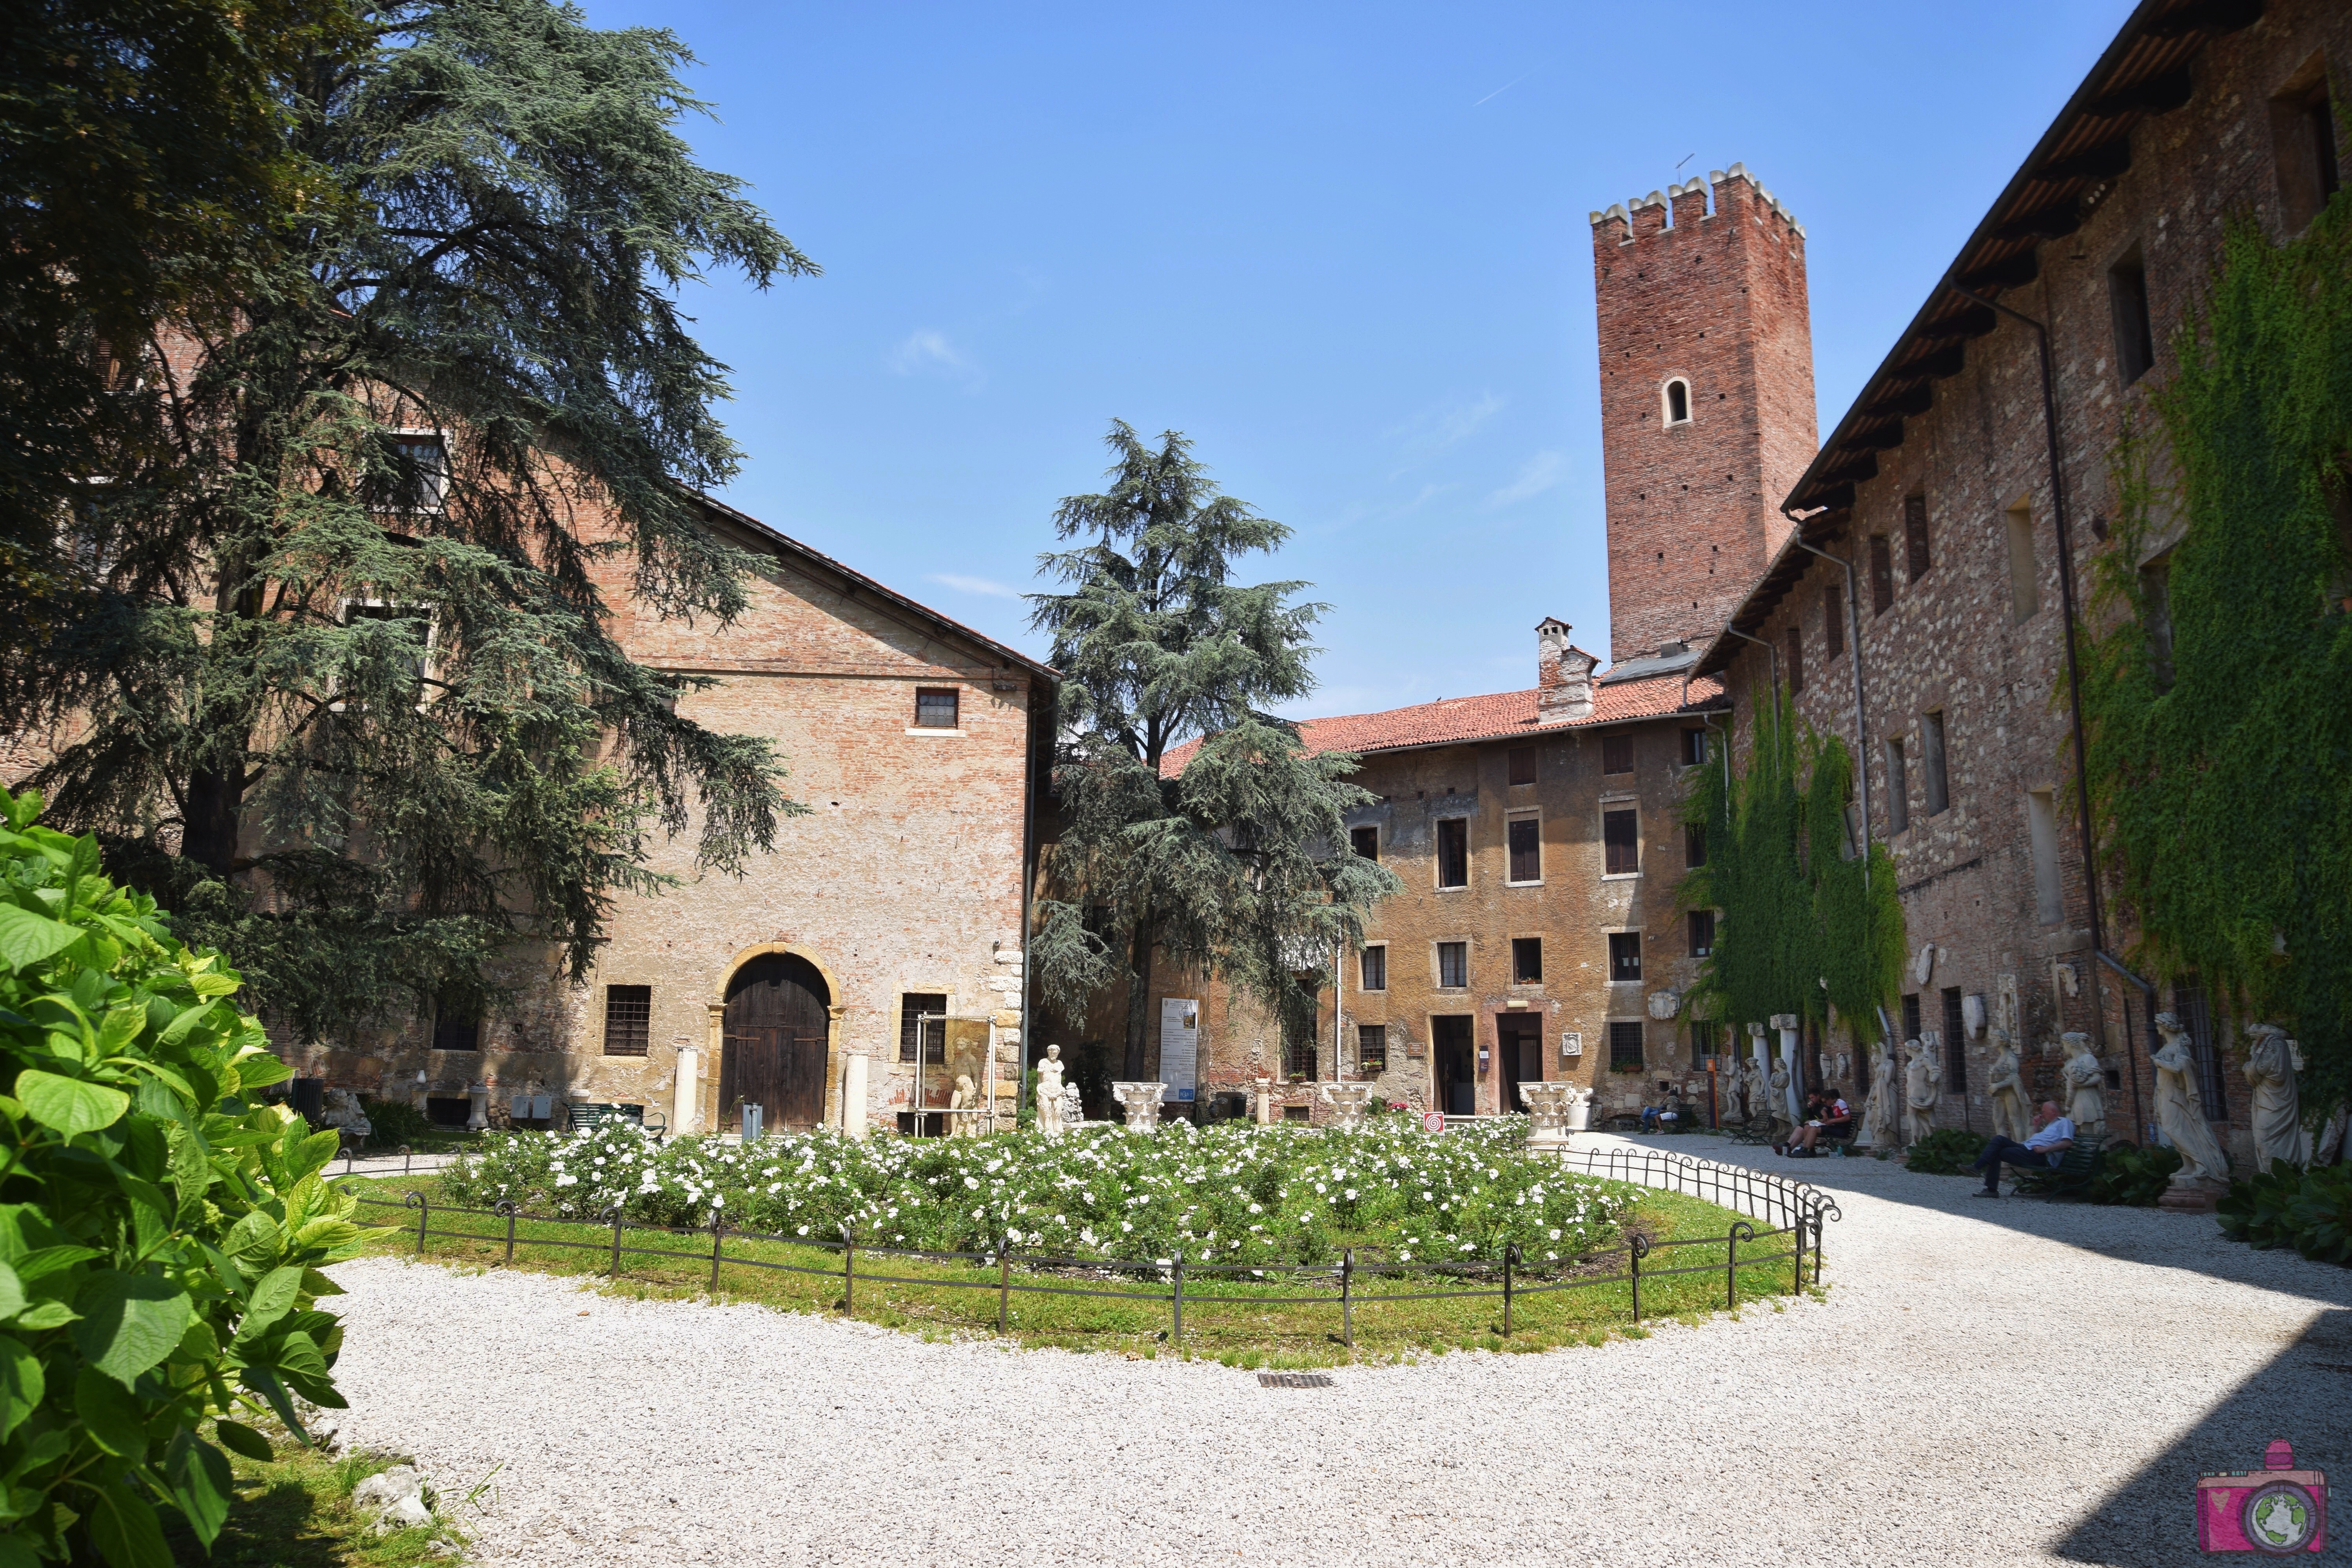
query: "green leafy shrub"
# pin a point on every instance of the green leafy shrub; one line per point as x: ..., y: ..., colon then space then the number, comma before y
x: 393, y: 1122
x: 2310, y: 1211
x: 2132, y: 1175
x: 1946, y: 1151
x: 160, y: 1237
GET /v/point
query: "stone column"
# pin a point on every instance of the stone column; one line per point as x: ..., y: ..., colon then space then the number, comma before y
x: 853, y: 1094
x: 1142, y: 1103
x: 1265, y: 1098
x: 684, y: 1109
x: 1548, y: 1104
x: 1787, y: 1023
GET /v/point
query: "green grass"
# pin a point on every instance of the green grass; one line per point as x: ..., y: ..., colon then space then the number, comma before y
x: 296, y: 1512
x: 1244, y: 1325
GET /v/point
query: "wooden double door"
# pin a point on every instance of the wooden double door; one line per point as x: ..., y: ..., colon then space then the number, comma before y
x: 774, y: 1033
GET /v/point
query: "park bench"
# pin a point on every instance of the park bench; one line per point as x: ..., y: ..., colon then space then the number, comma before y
x: 1755, y: 1130
x: 2075, y: 1170
x: 592, y: 1115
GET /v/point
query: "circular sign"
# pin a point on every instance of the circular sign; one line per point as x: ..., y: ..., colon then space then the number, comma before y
x: 1432, y: 1122
x: 2279, y: 1519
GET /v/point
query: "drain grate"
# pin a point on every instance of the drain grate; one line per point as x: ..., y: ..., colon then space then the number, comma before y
x: 1293, y: 1379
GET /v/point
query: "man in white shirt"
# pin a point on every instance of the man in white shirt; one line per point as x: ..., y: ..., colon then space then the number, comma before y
x: 2052, y: 1135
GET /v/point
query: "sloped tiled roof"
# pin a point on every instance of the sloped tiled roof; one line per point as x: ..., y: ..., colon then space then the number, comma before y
x: 1502, y: 715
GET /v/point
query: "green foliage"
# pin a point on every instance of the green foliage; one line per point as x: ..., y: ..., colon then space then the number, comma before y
x: 2310, y: 1211
x: 160, y: 1237
x: 1803, y: 926
x: 2220, y: 764
x: 1224, y: 864
x: 1945, y: 1151
x: 357, y: 712
x: 393, y: 1122
x: 2130, y: 1174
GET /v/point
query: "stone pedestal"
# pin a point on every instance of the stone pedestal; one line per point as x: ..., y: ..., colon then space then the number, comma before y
x: 1142, y: 1103
x: 477, y: 1116
x: 1262, y: 1102
x: 1547, y: 1109
x: 2194, y: 1195
x: 853, y: 1094
x: 685, y: 1093
x: 1350, y: 1103
x: 1579, y: 1107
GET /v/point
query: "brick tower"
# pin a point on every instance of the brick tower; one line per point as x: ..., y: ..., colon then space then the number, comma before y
x: 1706, y: 400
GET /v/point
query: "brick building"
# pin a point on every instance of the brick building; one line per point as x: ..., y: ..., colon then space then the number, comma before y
x: 878, y: 942
x: 1933, y: 636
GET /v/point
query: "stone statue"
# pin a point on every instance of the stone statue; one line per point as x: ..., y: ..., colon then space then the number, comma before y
x: 1073, y: 1106
x: 2181, y: 1110
x: 1758, y: 1106
x: 2012, y: 1105
x: 1779, y: 1102
x: 341, y: 1110
x: 1049, y: 1092
x: 2085, y: 1084
x: 1730, y: 1105
x: 963, y: 1099
x: 2277, y: 1113
x: 1878, y: 1109
x: 1923, y: 1077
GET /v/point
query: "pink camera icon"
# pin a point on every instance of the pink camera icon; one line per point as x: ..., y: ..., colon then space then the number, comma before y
x: 2278, y: 1510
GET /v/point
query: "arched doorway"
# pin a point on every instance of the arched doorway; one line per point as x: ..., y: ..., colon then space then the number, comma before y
x: 774, y: 1042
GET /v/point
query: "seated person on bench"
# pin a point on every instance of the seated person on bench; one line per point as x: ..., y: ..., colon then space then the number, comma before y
x: 2053, y: 1136
x: 1826, y: 1113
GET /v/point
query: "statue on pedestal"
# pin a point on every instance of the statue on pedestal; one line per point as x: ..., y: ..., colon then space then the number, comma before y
x: 1779, y: 1104
x: 2086, y: 1083
x: 1729, y: 1098
x: 963, y: 1099
x: 2180, y: 1109
x: 1753, y: 1085
x: 1049, y: 1092
x: 2277, y: 1115
x: 1923, y: 1077
x: 1878, y: 1109
x: 2012, y: 1105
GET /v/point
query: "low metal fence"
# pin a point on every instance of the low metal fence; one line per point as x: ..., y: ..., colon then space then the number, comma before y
x: 1794, y: 1214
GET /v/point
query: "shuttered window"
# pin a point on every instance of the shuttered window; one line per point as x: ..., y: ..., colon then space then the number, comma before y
x: 1454, y: 853
x: 1701, y: 925
x: 1621, y: 839
x: 628, y: 1019
x: 1373, y: 968
x: 1617, y: 752
x: 1796, y: 660
x: 1452, y: 964
x: 1527, y: 852
x: 922, y: 1017
x: 1624, y: 955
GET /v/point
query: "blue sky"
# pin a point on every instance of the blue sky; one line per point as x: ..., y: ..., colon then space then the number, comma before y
x: 1345, y: 248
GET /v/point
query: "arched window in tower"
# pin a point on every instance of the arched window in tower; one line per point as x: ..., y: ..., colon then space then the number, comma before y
x: 1678, y: 402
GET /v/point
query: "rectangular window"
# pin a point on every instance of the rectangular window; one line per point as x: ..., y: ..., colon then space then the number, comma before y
x: 1621, y: 839
x: 936, y: 708
x: 2156, y: 618
x: 2041, y: 828
x: 1523, y: 764
x: 1700, y: 924
x: 1915, y: 557
x: 922, y: 1019
x: 1365, y: 841
x: 1956, y: 1044
x: 421, y: 481
x: 1834, y: 620
x: 1617, y: 752
x: 456, y: 1027
x: 1911, y: 1017
x: 1898, y: 789
x: 1693, y: 747
x: 1624, y: 955
x: 2024, y: 575
x: 1371, y: 1048
x: 1705, y: 1039
x: 628, y: 1019
x: 1452, y: 964
x: 1931, y: 762
x: 2195, y: 1014
x: 1525, y: 836
x: 1372, y: 969
x: 1526, y: 961
x: 1694, y: 844
x: 1454, y: 853
x: 1624, y: 1046
x: 2303, y: 142
x: 2127, y: 307
x: 1882, y: 574
x: 1796, y: 661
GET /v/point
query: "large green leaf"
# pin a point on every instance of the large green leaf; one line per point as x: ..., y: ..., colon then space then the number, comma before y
x: 124, y: 1526
x: 239, y: 1438
x: 109, y: 1414
x: 11, y: 1293
x: 201, y: 1483
x: 70, y: 1105
x: 21, y: 1386
x: 272, y: 1298
x: 130, y: 1321
x: 27, y: 938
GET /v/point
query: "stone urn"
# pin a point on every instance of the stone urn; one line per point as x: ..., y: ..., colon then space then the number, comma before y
x: 478, y: 1113
x: 1350, y: 1103
x: 1142, y: 1103
x: 1547, y: 1106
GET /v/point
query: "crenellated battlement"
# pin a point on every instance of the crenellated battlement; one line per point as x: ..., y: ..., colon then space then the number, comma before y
x: 1737, y: 194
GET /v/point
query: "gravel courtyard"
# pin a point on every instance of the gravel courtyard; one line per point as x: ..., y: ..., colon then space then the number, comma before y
x: 1987, y: 1382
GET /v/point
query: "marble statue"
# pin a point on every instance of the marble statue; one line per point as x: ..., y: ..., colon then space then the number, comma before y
x: 1073, y: 1106
x: 1878, y: 1109
x: 2331, y: 1136
x: 1754, y: 1088
x: 963, y: 1099
x: 2277, y: 1112
x: 341, y: 1111
x: 2012, y: 1103
x: 1729, y: 1104
x: 1923, y: 1077
x: 1779, y: 1102
x: 1049, y: 1092
x: 2085, y: 1085
x: 2181, y: 1110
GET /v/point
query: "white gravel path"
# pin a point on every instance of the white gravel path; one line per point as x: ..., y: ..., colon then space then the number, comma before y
x: 1987, y: 1382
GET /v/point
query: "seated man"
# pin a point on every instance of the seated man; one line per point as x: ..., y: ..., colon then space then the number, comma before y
x: 1652, y: 1119
x: 1828, y: 1114
x: 2052, y: 1135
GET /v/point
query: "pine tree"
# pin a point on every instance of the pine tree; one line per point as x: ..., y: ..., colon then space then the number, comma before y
x: 340, y: 684
x: 1235, y: 866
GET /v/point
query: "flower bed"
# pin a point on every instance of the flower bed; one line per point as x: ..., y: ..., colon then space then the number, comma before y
x: 1237, y: 1194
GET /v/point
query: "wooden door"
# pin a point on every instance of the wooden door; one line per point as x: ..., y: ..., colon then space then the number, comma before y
x: 1456, y: 1062
x: 1519, y: 1053
x: 774, y: 1050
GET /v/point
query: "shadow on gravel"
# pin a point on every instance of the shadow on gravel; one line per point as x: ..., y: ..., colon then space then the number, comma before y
x: 2304, y: 1396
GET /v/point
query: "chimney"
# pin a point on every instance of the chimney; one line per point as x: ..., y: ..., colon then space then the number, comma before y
x: 1563, y: 674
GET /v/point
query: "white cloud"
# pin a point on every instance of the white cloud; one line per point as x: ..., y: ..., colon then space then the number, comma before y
x: 1445, y: 424
x: 1536, y: 475
x: 927, y: 352
x: 982, y: 586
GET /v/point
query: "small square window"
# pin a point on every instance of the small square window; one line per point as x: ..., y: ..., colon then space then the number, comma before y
x: 1452, y: 964
x: 1371, y: 1048
x: 1617, y: 752
x: 1523, y: 764
x: 936, y: 708
x: 1624, y: 1046
x: 1365, y: 841
x: 1525, y: 834
x: 1693, y: 747
x: 1624, y: 955
x: 1621, y: 841
x: 628, y: 1019
x: 922, y: 1016
x: 1700, y: 924
x: 1372, y: 969
x: 1526, y: 961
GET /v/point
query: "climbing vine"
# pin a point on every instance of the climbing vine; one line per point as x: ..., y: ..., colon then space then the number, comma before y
x: 2218, y: 697
x: 1804, y: 924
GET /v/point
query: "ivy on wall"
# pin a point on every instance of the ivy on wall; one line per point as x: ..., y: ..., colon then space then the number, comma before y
x: 2218, y: 700
x: 1803, y: 924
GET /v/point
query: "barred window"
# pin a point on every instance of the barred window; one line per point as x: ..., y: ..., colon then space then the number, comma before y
x: 1625, y: 1045
x: 628, y: 1019
x: 936, y: 708
x: 1956, y: 1044
x: 455, y: 1027
x: 922, y: 1016
x: 1372, y: 1047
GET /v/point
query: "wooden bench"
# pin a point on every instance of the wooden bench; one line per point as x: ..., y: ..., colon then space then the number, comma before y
x: 1755, y: 1130
x: 591, y: 1114
x: 2075, y: 1170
